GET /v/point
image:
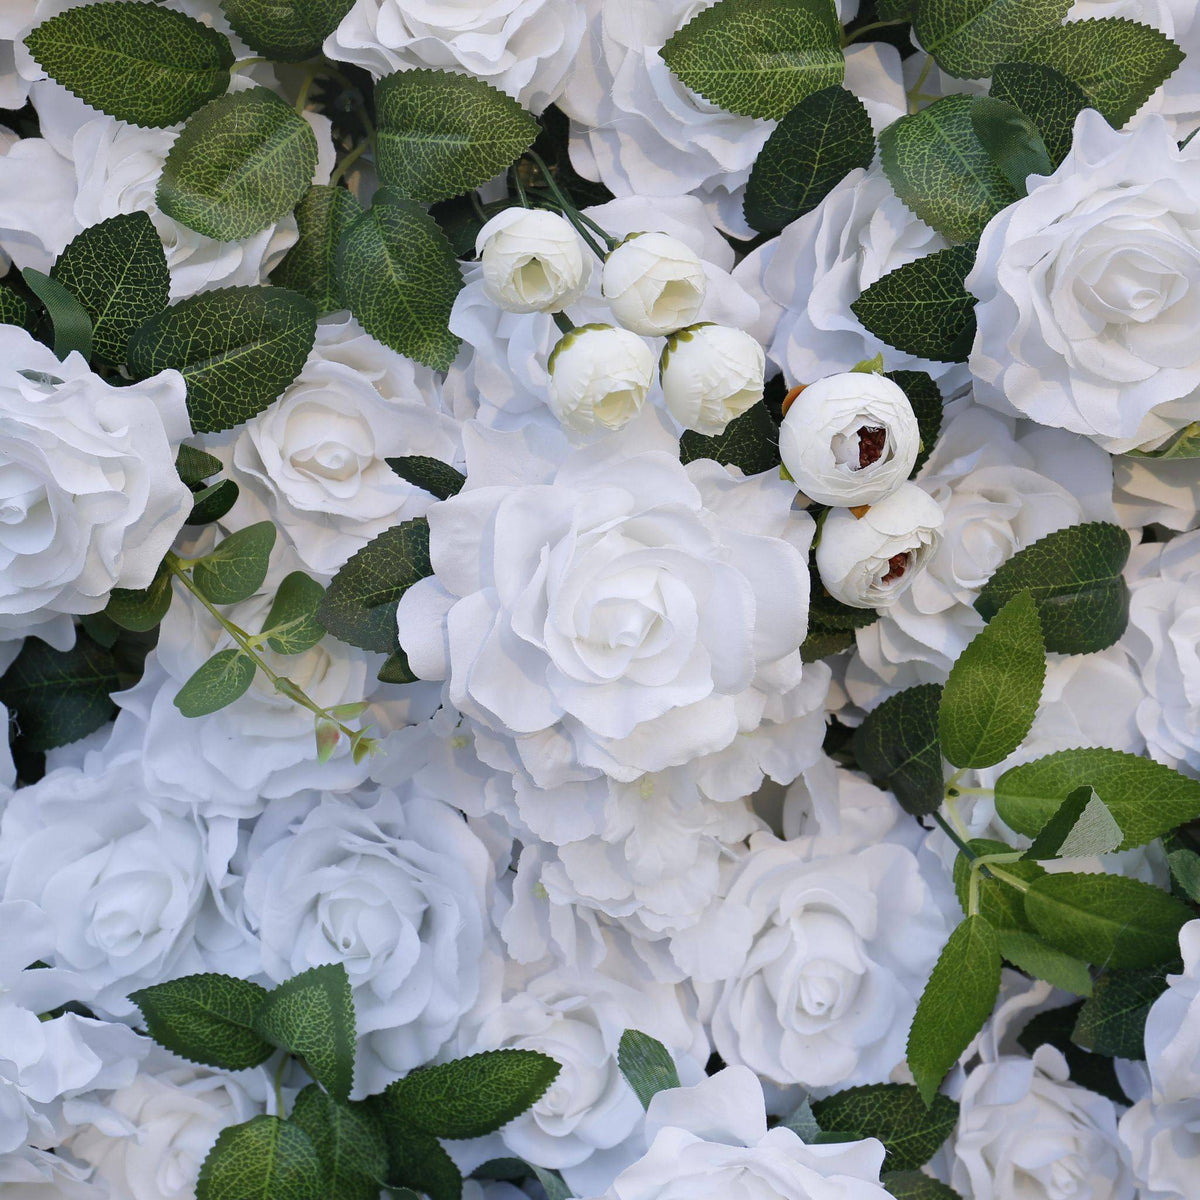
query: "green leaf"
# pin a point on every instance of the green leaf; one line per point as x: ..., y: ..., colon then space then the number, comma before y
x: 1183, y: 444
x: 72, y: 325
x: 1012, y: 140
x: 117, y: 270
x: 967, y: 38
x: 1082, y: 827
x: 207, y: 1019
x: 759, y: 58
x: 397, y: 273
x: 360, y: 602
x: 821, y: 643
x: 991, y: 697
x: 264, y: 1159
x: 1000, y: 903
x: 312, y: 1016
x: 240, y: 164
x: 1185, y: 871
x: 472, y: 1096
x: 15, y: 307
x: 285, y: 30
x: 1113, y: 1021
x: 141, y: 609
x: 916, y: 1185
x: 646, y: 1064
x: 812, y: 149
x: 1145, y: 798
x: 237, y: 567
x: 897, y: 745
x: 922, y: 307
x: 137, y: 62
x: 415, y: 1158
x: 237, y: 348
x: 894, y: 1113
x: 1031, y: 954
x: 1074, y: 575
x: 1047, y: 97
x: 802, y: 1123
x: 956, y: 1002
x: 213, y: 502
x: 940, y: 170
x: 442, y: 134
x: 195, y: 466
x: 396, y: 669
x: 1107, y: 920
x: 292, y: 621
x: 216, y: 683
x: 348, y: 1143
x: 750, y: 442
x: 310, y: 266
x: 926, y: 399
x: 1115, y: 62
x: 431, y: 474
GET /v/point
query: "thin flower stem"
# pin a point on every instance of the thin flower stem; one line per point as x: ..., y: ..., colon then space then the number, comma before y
x: 302, y: 99
x: 520, y: 188
x: 349, y: 161
x: 952, y: 834
x: 866, y: 29
x: 569, y: 210
x: 283, y: 1062
x: 914, y: 93
x: 245, y: 64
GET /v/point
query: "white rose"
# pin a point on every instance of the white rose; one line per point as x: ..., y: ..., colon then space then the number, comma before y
x: 1156, y: 491
x: 653, y: 283
x: 1173, y: 1027
x: 28, y: 1174
x: 849, y: 439
x: 533, y: 261
x: 710, y: 375
x: 1089, y: 288
x: 599, y: 377
x: 869, y: 561
x: 88, y: 489
x: 1164, y: 1143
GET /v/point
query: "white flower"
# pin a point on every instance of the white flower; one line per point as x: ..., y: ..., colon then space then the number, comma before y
x: 599, y: 377
x: 849, y: 439
x: 1089, y: 289
x: 89, y: 496
x: 710, y: 375
x: 1173, y: 1027
x: 28, y: 1174
x: 1164, y: 1143
x: 653, y: 283
x: 533, y: 261
x: 1156, y: 491
x: 868, y: 561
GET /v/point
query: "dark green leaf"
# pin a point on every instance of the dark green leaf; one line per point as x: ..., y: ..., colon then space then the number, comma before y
x: 646, y: 1064
x: 897, y: 745
x: 1113, y: 1021
x: 347, y: 1141
x: 1047, y: 97
x: 967, y: 38
x: 894, y: 1113
x: 72, y: 325
x: 396, y: 669
x: 1012, y: 140
x: 750, y: 442
x: 264, y: 1159
x: 15, y: 307
x: 916, y: 1185
x: 309, y: 267
x: 292, y: 621
x: 195, y: 466
x: 431, y: 474
x: 140, y: 609
x: 1033, y: 955
x: 285, y: 30
x: 216, y: 683
x: 213, y: 502
x: 237, y: 567
x: 1185, y: 871
x: 1053, y: 1027
x: 415, y: 1158
x: 1082, y: 827
x: 821, y: 643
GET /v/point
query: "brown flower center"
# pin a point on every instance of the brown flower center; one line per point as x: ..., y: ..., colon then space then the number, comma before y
x: 897, y: 565
x: 871, y: 440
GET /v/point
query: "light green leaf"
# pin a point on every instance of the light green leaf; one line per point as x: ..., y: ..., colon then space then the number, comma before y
x: 1185, y: 870
x: 1047, y: 97
x: 897, y: 745
x: 264, y: 1159
x: 1113, y: 1021
x: 1012, y: 140
x: 1082, y: 827
x: 1183, y: 444
x: 72, y: 325
x: 916, y: 1185
x: 237, y: 567
x: 195, y: 466
x: 802, y: 1123
x: 292, y: 621
x: 217, y: 683
x: 348, y: 1143
x: 207, y: 1019
x: 759, y: 58
x: 967, y: 38
x: 1033, y: 955
x: 430, y: 474
x: 240, y: 164
x: 138, y: 62
x: 140, y: 609
x: 895, y: 1113
x: 646, y: 1064
x: 750, y: 442
x: 285, y: 30
x: 310, y: 266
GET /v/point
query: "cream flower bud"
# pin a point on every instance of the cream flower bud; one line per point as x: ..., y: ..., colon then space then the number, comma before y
x: 711, y: 374
x: 533, y: 261
x: 869, y: 561
x: 654, y: 283
x: 850, y: 439
x: 599, y: 377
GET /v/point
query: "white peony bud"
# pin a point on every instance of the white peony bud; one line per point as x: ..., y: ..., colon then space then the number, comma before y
x: 850, y: 439
x: 599, y: 377
x: 711, y: 374
x: 654, y: 283
x: 868, y: 561
x: 533, y: 261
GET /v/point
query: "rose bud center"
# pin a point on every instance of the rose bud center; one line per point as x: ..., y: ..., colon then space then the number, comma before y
x: 871, y: 441
x: 897, y: 565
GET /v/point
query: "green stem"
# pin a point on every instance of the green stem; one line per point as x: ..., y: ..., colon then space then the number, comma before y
x: 349, y: 161
x: 915, y: 91
x: 952, y: 834
x: 302, y: 99
x: 569, y: 210
x: 245, y: 64
x: 865, y: 29
x: 283, y: 1062
x: 953, y: 791
x: 520, y: 188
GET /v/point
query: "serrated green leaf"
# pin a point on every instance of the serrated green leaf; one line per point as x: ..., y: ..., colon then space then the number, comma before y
x: 285, y: 30
x: 1113, y: 1021
x: 894, y: 1113
x: 1033, y: 955
x: 264, y: 1159
x: 310, y: 266
x: 1185, y: 871
x: 237, y: 348
x: 241, y: 163
x: 1000, y: 903
x: 1082, y: 827
x: 809, y: 152
x: 1107, y: 920
x: 292, y: 621
x: 922, y: 307
x: 216, y: 683
x: 348, y: 1143
x: 821, y: 643
x: 397, y: 273
x: 897, y: 745
x: 1074, y: 575
x: 207, y: 1019
x: 750, y: 442
x: 956, y: 1002
x: 1146, y: 799
x: 472, y: 1096
x: 1183, y: 444
x: 71, y: 323
x: 360, y: 602
x: 967, y: 38
x: 1047, y: 97
x: 915, y: 1185
x: 431, y: 474
x: 442, y: 134
x: 646, y: 1064
x: 1116, y: 63
x: 236, y: 568
x: 1012, y: 140
x: 759, y: 58
x: 312, y: 1016
x: 415, y: 1158
x: 213, y: 502
x: 117, y: 270
x: 195, y: 466
x: 926, y: 399
x: 940, y: 170
x: 15, y: 307
x: 138, y: 62
x: 140, y: 609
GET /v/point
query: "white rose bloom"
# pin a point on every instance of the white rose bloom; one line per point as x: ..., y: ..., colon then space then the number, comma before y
x: 1163, y: 1141
x: 88, y: 489
x: 28, y: 1174
x: 869, y: 561
x: 1089, y: 288
x: 653, y: 283
x: 849, y: 439
x: 533, y: 261
x: 711, y: 374
x: 1162, y: 491
x: 1172, y: 1034
x: 599, y: 377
